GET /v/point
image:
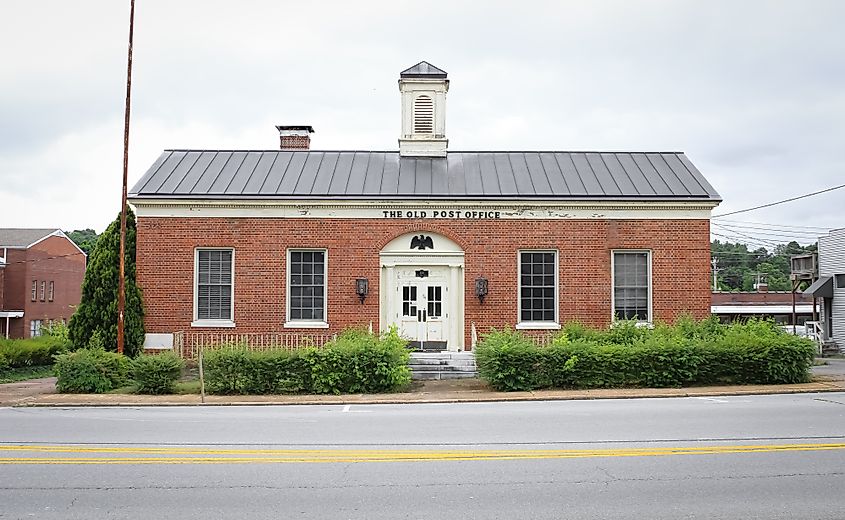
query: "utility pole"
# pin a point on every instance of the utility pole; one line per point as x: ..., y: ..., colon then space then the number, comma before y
x: 121, y: 288
x: 715, y: 262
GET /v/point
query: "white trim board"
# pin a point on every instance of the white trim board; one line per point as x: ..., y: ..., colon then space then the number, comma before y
x: 436, y: 211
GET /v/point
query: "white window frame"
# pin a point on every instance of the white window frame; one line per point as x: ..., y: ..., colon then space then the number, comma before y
x: 307, y: 324
x: 34, y: 296
x: 649, y: 262
x: 51, y: 291
x: 42, y: 293
x: 35, y: 328
x: 537, y: 325
x: 206, y: 322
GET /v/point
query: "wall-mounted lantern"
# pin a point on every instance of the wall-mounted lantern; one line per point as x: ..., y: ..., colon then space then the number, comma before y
x: 362, y: 287
x: 481, y: 287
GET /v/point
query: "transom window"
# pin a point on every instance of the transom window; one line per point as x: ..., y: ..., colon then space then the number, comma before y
x: 631, y: 285
x: 307, y: 286
x: 214, y: 292
x: 538, y: 286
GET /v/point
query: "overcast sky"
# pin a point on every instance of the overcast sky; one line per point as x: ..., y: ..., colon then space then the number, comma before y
x: 753, y: 92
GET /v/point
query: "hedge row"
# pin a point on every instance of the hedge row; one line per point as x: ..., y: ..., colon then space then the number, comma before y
x: 356, y: 362
x: 686, y: 354
x: 96, y: 371
x: 17, y: 353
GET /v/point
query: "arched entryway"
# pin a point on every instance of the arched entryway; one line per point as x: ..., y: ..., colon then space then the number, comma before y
x: 422, y: 281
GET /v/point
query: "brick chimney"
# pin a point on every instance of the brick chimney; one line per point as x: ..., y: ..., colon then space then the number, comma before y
x: 762, y: 287
x: 295, y: 137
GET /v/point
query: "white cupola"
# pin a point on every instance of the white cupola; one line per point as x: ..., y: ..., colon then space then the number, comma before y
x: 423, y: 88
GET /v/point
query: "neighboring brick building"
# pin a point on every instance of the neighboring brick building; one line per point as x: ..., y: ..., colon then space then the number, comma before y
x: 41, y: 272
x: 437, y: 243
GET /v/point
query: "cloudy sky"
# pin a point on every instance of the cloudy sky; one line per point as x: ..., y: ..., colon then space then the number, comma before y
x: 752, y: 91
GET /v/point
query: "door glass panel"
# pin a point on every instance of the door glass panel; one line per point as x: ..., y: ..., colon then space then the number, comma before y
x: 409, y: 300
x: 435, y: 301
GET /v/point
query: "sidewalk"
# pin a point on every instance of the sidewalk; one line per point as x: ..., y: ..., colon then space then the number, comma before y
x: 41, y: 392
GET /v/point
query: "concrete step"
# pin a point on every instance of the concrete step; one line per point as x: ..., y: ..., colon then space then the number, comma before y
x: 436, y: 375
x: 442, y: 365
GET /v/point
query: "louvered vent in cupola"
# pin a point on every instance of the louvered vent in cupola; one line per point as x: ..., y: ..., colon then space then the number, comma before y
x: 423, y: 115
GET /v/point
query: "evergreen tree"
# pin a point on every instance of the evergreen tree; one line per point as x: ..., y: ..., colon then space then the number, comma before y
x: 97, y: 312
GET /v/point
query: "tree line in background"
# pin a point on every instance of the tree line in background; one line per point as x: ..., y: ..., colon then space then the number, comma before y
x: 740, y: 269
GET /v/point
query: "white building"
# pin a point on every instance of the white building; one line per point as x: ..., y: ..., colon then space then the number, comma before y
x: 830, y: 287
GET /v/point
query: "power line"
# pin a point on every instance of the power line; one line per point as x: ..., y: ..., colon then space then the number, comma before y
x: 768, y: 224
x: 771, y: 243
x: 767, y: 233
x: 764, y: 228
x: 781, y: 201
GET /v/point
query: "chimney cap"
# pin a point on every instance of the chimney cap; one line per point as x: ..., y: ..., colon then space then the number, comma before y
x: 423, y: 69
x: 305, y: 128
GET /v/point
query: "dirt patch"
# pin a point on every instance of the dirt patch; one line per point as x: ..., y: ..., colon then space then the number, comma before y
x: 22, y: 391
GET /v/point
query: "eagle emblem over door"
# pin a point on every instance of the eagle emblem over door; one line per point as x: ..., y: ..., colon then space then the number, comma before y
x: 422, y: 242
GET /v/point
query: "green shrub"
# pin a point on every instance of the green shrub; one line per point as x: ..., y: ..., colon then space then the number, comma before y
x: 4, y: 363
x: 226, y: 369
x: 90, y: 371
x: 32, y: 352
x: 687, y: 353
x: 156, y: 373
x: 356, y: 362
x: 56, y: 329
x: 510, y: 361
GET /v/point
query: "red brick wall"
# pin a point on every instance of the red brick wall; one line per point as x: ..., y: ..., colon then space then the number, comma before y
x: 16, y: 288
x: 295, y: 142
x: 165, y: 263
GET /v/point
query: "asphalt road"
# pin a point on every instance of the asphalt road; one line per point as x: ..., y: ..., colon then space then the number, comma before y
x: 779, y: 456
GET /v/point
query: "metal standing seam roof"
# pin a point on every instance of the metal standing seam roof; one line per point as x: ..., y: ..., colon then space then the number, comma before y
x: 364, y: 175
x: 23, y: 237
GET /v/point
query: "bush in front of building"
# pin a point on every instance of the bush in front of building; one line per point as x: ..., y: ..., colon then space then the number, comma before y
x: 156, y: 373
x: 355, y: 362
x: 90, y: 371
x: 32, y: 352
x: 687, y: 353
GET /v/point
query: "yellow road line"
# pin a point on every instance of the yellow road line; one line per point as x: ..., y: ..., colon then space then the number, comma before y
x: 170, y: 455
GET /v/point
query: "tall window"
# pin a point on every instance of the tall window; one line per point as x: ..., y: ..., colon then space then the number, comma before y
x: 631, y: 285
x: 214, y: 291
x: 43, y: 290
x: 52, y: 291
x: 538, y: 286
x: 307, y: 286
x: 34, y: 290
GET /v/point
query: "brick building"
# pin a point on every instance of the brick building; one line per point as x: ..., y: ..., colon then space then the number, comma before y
x: 437, y: 242
x: 41, y: 272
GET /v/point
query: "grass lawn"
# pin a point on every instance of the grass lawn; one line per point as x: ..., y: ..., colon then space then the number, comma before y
x: 13, y: 375
x: 183, y: 386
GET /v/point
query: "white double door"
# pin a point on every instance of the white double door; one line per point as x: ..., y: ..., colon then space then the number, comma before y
x: 423, y: 306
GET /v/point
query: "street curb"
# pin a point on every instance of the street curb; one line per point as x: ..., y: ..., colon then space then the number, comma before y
x: 359, y: 399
